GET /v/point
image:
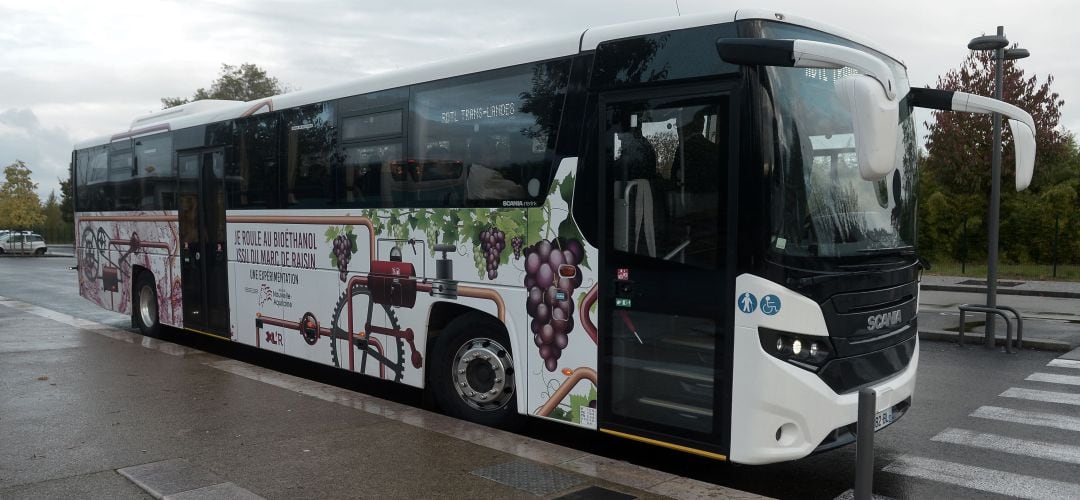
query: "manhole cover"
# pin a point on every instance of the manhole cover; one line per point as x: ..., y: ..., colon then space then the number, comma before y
x: 530, y: 477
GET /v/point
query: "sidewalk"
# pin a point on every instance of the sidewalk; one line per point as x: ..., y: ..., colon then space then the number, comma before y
x: 1046, y: 332
x: 92, y: 411
x: 1058, y: 289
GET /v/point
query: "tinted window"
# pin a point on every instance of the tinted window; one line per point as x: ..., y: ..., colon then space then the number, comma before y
x: 366, y: 178
x: 483, y: 139
x: 371, y: 126
x: 309, y: 136
x: 97, y: 178
x: 126, y: 190
x: 252, y: 178
x: 153, y: 155
x: 376, y: 100
x: 688, y: 53
x: 82, y: 175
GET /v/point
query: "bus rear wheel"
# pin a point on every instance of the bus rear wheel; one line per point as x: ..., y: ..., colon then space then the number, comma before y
x: 472, y: 372
x: 145, y: 304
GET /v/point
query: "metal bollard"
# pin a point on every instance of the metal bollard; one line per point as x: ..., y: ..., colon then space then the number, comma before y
x: 864, y: 445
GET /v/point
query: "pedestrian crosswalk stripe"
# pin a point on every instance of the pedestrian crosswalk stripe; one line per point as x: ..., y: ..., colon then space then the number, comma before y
x: 1029, y: 448
x: 1054, y: 378
x: 1045, y: 396
x: 1064, y: 363
x: 982, y: 479
x: 1064, y: 422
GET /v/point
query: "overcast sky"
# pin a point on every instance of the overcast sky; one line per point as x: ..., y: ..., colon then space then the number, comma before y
x: 74, y: 70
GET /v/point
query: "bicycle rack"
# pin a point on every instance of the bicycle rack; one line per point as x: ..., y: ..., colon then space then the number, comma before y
x: 1000, y: 311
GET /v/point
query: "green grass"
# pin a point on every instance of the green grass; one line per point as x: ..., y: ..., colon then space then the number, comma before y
x: 1065, y: 272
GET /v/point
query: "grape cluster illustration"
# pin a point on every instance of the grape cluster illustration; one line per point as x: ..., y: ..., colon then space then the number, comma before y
x: 550, y: 302
x: 516, y: 243
x: 343, y: 251
x: 492, y: 242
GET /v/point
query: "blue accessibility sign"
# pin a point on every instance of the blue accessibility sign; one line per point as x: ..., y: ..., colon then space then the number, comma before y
x: 747, y: 302
x: 770, y: 304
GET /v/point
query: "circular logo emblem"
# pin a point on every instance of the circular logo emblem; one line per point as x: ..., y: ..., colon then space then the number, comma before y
x: 770, y: 304
x: 746, y: 302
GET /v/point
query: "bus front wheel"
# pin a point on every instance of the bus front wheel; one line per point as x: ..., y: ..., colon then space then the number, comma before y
x: 145, y: 304
x: 472, y: 372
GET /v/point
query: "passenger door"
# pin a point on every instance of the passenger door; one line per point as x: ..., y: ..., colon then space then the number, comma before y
x: 203, y: 262
x: 665, y: 265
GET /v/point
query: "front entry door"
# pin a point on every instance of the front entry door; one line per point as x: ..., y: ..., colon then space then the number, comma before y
x: 664, y: 292
x: 203, y: 262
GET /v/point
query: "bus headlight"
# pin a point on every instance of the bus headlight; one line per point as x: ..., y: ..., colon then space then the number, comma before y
x: 808, y: 352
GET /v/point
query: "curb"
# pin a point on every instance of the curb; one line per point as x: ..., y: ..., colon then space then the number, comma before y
x: 1002, y: 291
x: 977, y: 340
x: 46, y: 256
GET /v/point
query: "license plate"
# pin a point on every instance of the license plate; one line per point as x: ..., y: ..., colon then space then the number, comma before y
x: 883, y: 418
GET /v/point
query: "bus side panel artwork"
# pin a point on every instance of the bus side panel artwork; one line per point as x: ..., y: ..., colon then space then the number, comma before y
x: 355, y: 289
x: 110, y: 245
x: 563, y: 359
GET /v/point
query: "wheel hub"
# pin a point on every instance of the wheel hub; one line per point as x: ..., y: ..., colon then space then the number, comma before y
x: 483, y: 374
x: 147, y: 306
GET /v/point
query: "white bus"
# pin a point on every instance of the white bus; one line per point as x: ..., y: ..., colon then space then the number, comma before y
x: 696, y: 232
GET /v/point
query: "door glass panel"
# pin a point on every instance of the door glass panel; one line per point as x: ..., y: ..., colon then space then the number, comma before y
x: 664, y: 162
x: 190, y: 241
x: 663, y: 369
x: 215, y: 257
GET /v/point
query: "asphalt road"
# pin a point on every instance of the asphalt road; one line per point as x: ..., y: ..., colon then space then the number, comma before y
x: 975, y: 429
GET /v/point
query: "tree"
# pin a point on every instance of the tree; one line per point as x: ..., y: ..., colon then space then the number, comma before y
x: 55, y: 229
x: 959, y: 144
x: 955, y: 176
x: 244, y: 83
x: 67, y: 206
x: 20, y: 207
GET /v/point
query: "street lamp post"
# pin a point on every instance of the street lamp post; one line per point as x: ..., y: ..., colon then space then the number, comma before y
x: 996, y: 43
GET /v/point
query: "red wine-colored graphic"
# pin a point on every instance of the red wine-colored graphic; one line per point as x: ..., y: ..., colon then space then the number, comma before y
x: 551, y: 276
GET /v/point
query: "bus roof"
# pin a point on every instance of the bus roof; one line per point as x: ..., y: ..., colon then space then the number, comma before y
x: 210, y: 111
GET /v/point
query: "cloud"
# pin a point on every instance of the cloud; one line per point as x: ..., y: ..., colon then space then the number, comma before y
x: 87, y: 69
x: 45, y: 150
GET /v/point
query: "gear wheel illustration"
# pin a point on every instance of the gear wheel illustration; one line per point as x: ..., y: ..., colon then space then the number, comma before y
x: 339, y: 333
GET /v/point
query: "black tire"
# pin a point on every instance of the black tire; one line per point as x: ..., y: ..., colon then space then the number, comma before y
x: 39, y: 252
x: 147, y: 321
x: 485, y: 337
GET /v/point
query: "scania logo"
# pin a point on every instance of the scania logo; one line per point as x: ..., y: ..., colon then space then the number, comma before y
x: 883, y: 320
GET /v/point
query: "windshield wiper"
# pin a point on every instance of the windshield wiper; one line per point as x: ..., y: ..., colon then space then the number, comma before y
x: 904, y: 250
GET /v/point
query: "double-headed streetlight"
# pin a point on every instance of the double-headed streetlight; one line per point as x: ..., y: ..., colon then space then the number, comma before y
x: 996, y: 43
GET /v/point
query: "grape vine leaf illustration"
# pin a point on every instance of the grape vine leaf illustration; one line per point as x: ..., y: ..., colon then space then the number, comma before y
x: 577, y: 402
x: 568, y: 230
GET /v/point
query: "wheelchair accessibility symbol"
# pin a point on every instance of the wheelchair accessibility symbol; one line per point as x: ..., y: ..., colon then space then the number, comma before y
x: 770, y: 305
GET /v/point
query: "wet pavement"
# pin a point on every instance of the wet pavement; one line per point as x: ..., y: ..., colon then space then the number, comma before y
x: 1035, y: 288
x: 184, y: 407
x: 86, y: 405
x: 1049, y: 323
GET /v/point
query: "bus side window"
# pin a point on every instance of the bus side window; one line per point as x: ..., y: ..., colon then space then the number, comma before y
x: 372, y: 146
x: 155, y: 180
x: 252, y: 179
x: 486, y: 139
x: 309, y: 136
x: 126, y: 190
x: 366, y: 174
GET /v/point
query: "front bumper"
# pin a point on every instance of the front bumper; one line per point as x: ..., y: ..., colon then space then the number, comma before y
x: 781, y: 412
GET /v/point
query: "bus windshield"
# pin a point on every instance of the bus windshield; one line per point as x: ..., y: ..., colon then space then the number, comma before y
x: 820, y: 205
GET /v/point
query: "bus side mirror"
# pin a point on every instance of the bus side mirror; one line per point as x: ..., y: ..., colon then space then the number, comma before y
x: 874, y: 124
x: 1020, y: 122
x: 869, y: 95
x: 1024, y: 145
